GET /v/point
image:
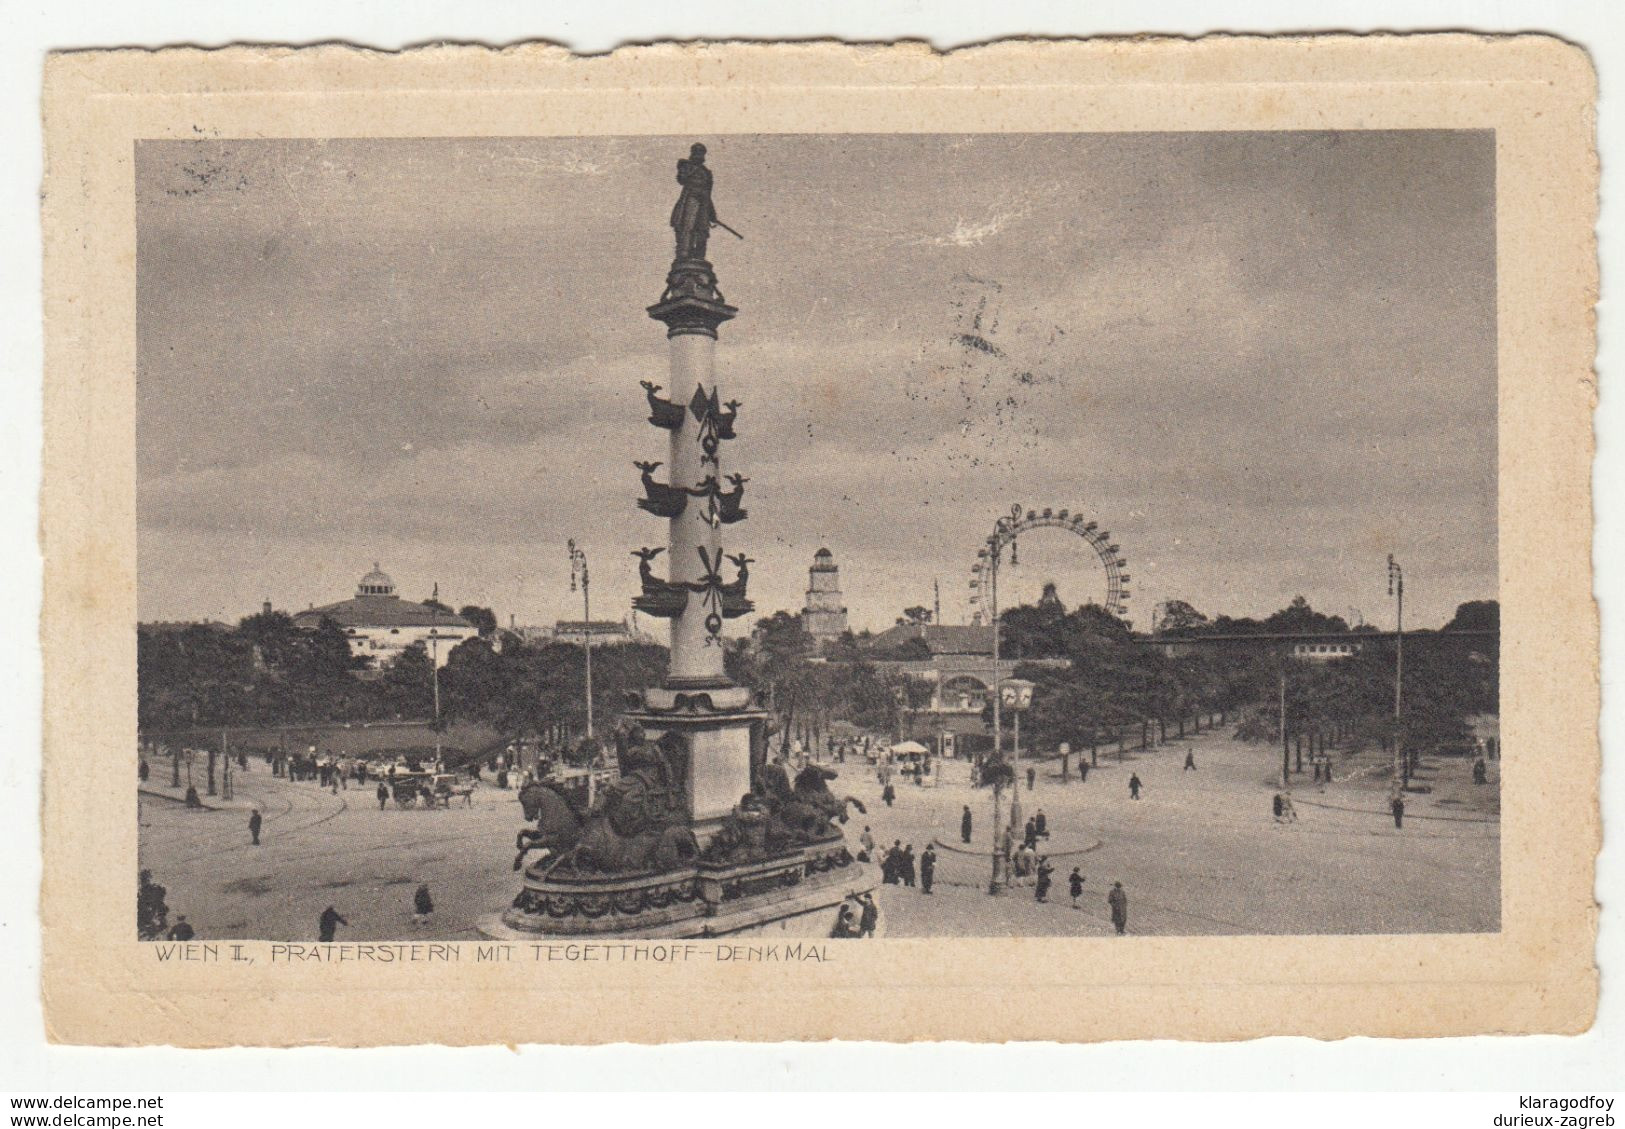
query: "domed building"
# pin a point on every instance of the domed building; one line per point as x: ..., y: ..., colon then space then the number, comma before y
x: 380, y: 625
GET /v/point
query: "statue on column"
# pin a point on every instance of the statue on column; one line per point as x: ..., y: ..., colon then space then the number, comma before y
x: 694, y: 216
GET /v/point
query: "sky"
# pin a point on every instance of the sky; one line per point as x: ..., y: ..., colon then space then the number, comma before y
x: 1263, y: 361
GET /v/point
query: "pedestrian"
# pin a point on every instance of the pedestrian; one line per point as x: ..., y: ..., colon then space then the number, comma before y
x: 1278, y: 805
x: 1134, y: 785
x: 422, y: 905
x: 1032, y: 775
x: 1029, y: 833
x: 1118, y: 901
x: 928, y: 868
x: 151, y: 910
x: 965, y: 825
x: 888, y: 794
x: 1046, y: 872
x: 143, y: 770
x: 1083, y: 770
x: 254, y: 822
x: 845, y: 927
x: 182, y: 929
x: 1041, y: 825
x: 1480, y: 771
x: 1289, y: 814
x: 867, y: 841
x: 888, y: 865
x: 192, y: 800
x: 1074, y: 884
x: 383, y: 795
x: 330, y: 921
x: 1190, y: 761
x: 870, y: 917
x: 908, y: 865
x: 1397, y: 806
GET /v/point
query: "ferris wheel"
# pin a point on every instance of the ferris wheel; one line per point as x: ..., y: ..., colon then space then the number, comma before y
x: 1008, y: 528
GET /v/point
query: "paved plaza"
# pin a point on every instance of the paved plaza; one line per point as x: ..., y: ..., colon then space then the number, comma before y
x: 1199, y: 853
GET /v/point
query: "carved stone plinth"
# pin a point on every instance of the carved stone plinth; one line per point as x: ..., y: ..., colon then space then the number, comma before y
x: 695, y: 901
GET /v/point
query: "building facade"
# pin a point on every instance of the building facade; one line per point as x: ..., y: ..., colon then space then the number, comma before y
x: 380, y: 625
x: 824, y: 616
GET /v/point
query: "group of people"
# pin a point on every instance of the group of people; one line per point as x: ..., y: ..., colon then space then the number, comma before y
x: 898, y: 864
x: 857, y: 917
x: 152, y: 914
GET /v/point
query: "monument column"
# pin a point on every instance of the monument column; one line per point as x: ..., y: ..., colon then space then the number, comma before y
x: 696, y: 654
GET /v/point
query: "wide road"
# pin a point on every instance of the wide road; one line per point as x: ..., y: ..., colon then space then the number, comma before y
x: 1199, y: 853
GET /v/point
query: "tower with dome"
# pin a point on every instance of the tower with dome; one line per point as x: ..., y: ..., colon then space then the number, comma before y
x: 824, y: 616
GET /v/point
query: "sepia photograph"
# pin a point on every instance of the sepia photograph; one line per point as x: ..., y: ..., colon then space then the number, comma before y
x: 826, y: 536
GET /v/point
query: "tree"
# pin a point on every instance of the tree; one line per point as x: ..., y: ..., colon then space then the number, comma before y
x: 917, y: 616
x: 407, y: 686
x: 483, y: 618
x: 1476, y: 615
x: 1299, y: 617
x: 1179, y: 618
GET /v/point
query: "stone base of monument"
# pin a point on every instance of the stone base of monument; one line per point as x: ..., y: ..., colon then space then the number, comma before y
x: 702, y: 900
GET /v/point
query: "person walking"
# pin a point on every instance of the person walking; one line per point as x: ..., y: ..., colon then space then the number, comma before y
x: 1041, y: 824
x: 330, y: 921
x: 867, y: 842
x: 1032, y: 775
x: 888, y: 794
x: 254, y: 823
x: 1190, y: 761
x: 181, y: 930
x: 965, y: 825
x: 1397, y: 806
x: 908, y: 865
x: 1083, y: 770
x: 1134, y: 785
x: 1278, y: 805
x: 928, y: 868
x: 1074, y: 885
x: 1046, y: 873
x: 869, y: 915
x: 1029, y: 833
x: 383, y: 795
x: 1117, y: 900
x: 422, y: 905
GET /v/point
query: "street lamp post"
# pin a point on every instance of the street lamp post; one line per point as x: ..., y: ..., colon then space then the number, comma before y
x: 434, y: 675
x: 1396, y: 588
x: 578, y: 572
x: 1017, y: 695
x: 989, y: 566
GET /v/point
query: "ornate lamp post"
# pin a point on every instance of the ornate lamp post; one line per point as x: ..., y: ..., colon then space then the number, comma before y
x: 434, y: 678
x: 578, y: 573
x: 1015, y: 695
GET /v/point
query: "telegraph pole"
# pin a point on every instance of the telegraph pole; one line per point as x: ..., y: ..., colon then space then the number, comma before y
x: 998, y: 880
x: 578, y: 571
x: 1396, y: 588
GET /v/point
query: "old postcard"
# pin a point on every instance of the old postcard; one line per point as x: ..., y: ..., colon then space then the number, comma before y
x: 1057, y: 540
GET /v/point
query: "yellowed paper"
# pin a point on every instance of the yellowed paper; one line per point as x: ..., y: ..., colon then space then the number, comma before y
x: 1516, y: 960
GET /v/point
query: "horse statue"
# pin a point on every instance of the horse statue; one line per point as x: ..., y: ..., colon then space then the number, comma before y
x: 558, y: 823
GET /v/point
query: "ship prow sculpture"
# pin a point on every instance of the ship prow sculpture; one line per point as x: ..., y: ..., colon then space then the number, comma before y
x: 701, y: 834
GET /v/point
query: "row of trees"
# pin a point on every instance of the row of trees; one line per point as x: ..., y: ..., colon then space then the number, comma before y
x: 266, y: 671
x: 1110, y: 682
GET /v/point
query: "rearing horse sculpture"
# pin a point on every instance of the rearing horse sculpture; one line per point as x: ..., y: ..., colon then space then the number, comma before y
x: 558, y: 823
